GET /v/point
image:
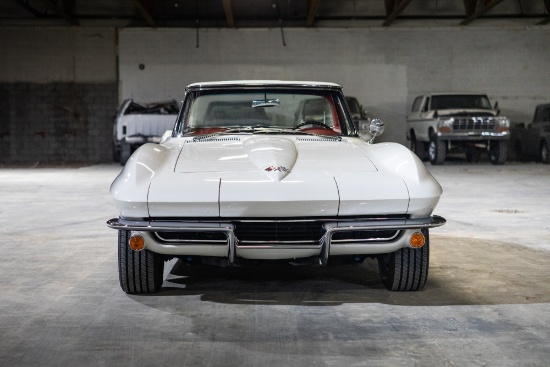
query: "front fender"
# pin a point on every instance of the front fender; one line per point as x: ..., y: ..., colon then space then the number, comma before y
x: 424, y: 190
x: 130, y: 189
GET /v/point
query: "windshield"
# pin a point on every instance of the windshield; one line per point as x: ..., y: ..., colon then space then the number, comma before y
x: 309, y: 111
x: 458, y: 101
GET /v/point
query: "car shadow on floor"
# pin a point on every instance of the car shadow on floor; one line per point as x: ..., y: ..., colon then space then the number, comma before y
x: 462, y: 272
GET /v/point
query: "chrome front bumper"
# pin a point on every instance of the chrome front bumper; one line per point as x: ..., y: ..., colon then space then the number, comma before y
x: 231, y: 247
x: 474, y: 136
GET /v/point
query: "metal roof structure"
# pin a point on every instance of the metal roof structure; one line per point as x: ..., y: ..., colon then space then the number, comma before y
x: 271, y: 13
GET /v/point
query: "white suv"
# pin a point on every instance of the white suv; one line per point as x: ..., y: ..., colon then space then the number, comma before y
x: 442, y: 123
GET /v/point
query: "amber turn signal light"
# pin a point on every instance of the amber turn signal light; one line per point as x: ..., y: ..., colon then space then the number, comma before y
x: 137, y: 243
x: 417, y: 240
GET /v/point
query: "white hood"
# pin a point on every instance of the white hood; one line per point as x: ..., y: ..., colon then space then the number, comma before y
x: 275, y: 176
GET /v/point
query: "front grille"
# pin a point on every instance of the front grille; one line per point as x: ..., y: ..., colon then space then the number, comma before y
x: 474, y: 123
x: 298, y: 231
x: 282, y: 232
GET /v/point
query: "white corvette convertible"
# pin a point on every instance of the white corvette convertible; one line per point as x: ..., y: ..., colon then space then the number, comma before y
x: 274, y: 171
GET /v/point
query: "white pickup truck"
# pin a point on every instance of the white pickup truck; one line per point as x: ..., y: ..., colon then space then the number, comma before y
x: 444, y: 123
x: 139, y: 123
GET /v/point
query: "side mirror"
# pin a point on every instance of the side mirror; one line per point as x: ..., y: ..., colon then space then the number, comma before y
x: 376, y: 128
x: 496, y: 108
x: 167, y: 134
x: 372, y: 129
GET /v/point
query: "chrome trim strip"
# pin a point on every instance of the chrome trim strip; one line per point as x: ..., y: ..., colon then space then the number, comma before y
x: 370, y: 239
x: 168, y: 226
x: 214, y: 242
x: 180, y: 226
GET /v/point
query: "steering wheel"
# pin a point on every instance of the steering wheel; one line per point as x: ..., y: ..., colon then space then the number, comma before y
x: 312, y: 122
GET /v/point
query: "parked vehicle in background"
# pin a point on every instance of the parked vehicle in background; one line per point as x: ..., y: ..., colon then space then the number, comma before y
x: 262, y: 171
x: 358, y: 113
x: 531, y: 141
x: 445, y: 123
x: 139, y: 123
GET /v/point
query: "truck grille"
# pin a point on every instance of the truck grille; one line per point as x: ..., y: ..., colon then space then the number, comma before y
x: 474, y: 123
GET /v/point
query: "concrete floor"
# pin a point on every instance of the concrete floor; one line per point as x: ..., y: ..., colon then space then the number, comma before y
x: 486, y: 303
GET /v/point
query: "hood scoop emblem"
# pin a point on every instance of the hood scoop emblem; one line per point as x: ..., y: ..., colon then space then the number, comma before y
x: 274, y: 156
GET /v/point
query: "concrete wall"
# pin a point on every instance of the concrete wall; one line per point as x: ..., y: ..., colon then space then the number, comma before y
x: 60, y: 87
x: 384, y: 67
x: 58, y: 94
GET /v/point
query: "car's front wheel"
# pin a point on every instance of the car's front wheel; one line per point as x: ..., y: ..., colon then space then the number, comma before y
x: 139, y: 272
x: 405, y: 269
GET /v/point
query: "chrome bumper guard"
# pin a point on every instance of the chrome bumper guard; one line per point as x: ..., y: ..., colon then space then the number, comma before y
x: 228, y: 229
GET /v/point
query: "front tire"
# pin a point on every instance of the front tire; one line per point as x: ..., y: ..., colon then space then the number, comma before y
x: 405, y: 269
x: 498, y: 152
x: 437, y: 151
x: 140, y: 272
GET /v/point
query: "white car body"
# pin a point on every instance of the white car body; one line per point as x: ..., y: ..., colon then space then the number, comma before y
x: 216, y: 184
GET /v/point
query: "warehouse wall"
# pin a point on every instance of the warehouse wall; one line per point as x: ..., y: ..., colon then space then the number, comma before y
x: 384, y: 67
x: 60, y: 87
x: 58, y: 94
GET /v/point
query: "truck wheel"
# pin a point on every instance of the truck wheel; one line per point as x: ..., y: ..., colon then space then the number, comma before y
x: 125, y: 153
x: 544, y: 156
x: 498, y: 152
x: 437, y: 151
x: 418, y: 148
x: 405, y: 269
x: 140, y: 272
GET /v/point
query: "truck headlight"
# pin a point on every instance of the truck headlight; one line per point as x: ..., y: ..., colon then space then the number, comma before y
x: 503, y: 124
x: 445, y: 125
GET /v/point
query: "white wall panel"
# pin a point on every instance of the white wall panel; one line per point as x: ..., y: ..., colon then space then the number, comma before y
x: 384, y: 67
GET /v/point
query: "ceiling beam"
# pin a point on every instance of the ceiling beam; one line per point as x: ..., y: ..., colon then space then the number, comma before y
x: 228, y: 9
x: 489, y: 4
x: 547, y: 20
x: 60, y: 12
x: 145, y: 13
x: 313, y: 7
x: 28, y: 8
x: 393, y: 9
